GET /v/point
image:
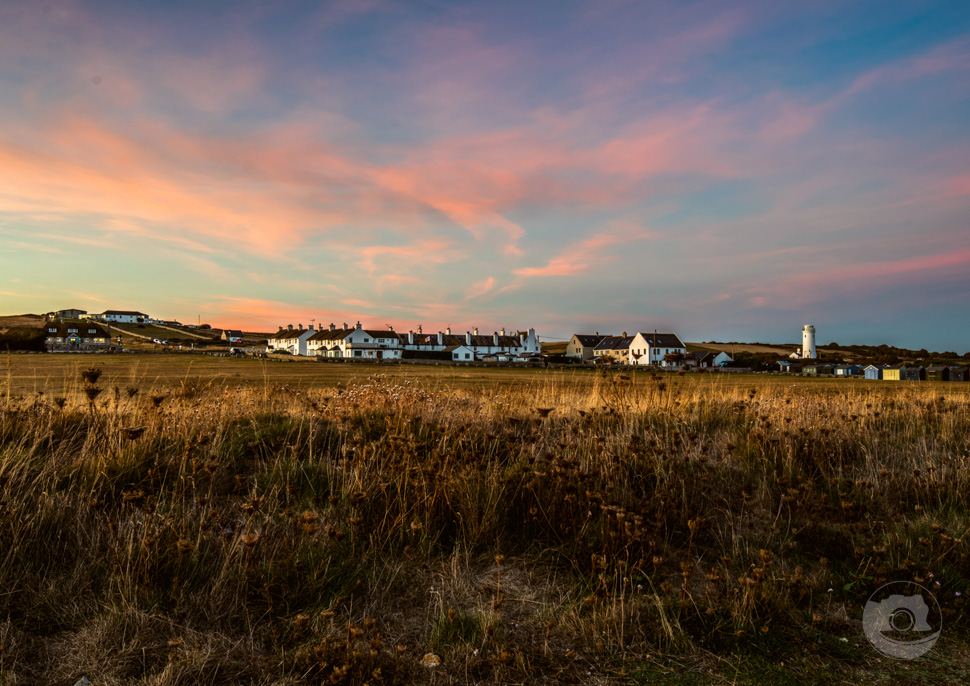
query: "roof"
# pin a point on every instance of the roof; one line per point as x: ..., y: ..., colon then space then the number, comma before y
x: 83, y: 329
x: 459, y: 339
x: 615, y: 343
x: 125, y: 313
x: 284, y: 334
x: 328, y: 335
x: 663, y: 340
x: 700, y: 355
x: 233, y: 332
x: 588, y: 340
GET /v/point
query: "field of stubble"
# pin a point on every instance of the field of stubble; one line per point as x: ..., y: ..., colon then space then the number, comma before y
x: 180, y: 520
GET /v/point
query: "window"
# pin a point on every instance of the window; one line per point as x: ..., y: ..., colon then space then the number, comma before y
x: 52, y: 330
x: 366, y: 340
x: 467, y: 356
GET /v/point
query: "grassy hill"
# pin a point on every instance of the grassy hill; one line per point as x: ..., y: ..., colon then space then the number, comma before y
x: 21, y: 321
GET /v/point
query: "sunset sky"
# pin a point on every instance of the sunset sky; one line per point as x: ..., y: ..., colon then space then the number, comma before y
x: 726, y: 170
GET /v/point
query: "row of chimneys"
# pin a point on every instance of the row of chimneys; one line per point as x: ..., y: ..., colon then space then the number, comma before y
x: 310, y: 328
x: 447, y: 332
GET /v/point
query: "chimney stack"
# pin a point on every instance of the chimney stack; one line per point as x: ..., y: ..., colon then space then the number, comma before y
x: 419, y: 329
x: 495, y: 338
x: 358, y: 324
x: 289, y: 327
x: 468, y: 338
x: 441, y: 339
x: 476, y: 330
x: 503, y: 330
x: 332, y: 327
x: 448, y: 330
x: 301, y: 326
x: 345, y: 326
x: 410, y: 338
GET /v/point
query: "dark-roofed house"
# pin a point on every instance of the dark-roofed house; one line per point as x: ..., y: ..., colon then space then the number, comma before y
x: 699, y: 359
x: 658, y: 349
x: 817, y: 370
x: 232, y: 335
x: 72, y: 313
x: 76, y: 335
x: 847, y: 370
x: 790, y: 366
x: 937, y: 373
x: 615, y: 349
x: 581, y: 345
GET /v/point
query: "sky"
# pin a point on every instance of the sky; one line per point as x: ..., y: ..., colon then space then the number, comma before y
x: 730, y: 171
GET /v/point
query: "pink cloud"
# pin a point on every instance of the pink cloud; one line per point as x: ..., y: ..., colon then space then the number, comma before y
x: 480, y: 288
x: 582, y: 256
x: 805, y: 288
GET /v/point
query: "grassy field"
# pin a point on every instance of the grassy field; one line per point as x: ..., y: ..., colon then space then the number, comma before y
x: 184, y: 519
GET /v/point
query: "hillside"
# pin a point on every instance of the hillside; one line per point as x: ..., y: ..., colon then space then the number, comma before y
x: 21, y: 321
x: 731, y: 348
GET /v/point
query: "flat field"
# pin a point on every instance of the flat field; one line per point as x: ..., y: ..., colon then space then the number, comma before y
x: 183, y: 519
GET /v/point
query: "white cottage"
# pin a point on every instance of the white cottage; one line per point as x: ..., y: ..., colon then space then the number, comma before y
x: 290, y: 340
x: 653, y: 349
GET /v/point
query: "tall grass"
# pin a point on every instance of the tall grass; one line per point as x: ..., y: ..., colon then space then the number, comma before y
x: 268, y: 534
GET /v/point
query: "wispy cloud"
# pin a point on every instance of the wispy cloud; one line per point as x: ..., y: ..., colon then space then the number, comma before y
x: 586, y: 254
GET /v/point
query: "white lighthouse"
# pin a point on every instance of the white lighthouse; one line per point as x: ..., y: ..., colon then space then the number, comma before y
x: 808, y: 342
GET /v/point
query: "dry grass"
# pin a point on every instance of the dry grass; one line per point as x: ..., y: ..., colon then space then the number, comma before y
x: 554, y: 528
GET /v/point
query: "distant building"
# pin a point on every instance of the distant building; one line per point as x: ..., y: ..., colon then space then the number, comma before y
x: 290, y: 340
x: 937, y: 373
x: 73, y: 313
x: 122, y: 316
x: 898, y: 372
x: 657, y: 349
x: 699, y: 359
x: 847, y: 370
x: 873, y: 372
x: 83, y: 335
x: 722, y: 359
x: 385, y: 344
x: 232, y: 335
x: 914, y: 374
x: 959, y: 374
x: 581, y: 345
x: 818, y: 370
x: 613, y: 349
x: 808, y: 343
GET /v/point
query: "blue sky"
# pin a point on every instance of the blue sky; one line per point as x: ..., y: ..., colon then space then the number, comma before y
x: 729, y: 171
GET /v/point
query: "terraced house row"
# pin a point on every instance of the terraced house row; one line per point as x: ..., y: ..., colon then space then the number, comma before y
x: 385, y: 344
